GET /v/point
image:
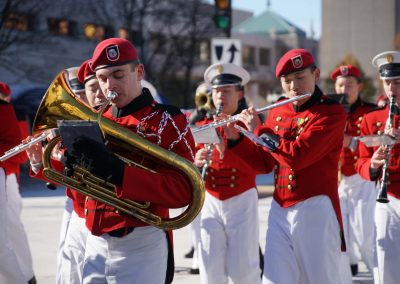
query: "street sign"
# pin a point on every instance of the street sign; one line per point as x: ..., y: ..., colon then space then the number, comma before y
x: 226, y: 50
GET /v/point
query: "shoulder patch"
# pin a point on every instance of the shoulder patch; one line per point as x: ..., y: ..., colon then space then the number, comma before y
x: 370, y: 105
x: 281, y: 98
x: 3, y: 102
x: 172, y: 110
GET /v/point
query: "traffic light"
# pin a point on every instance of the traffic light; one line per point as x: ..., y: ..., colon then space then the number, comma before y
x: 222, y: 17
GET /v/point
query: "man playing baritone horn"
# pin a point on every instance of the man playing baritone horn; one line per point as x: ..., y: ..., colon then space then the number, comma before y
x: 120, y: 248
x: 304, y: 236
x: 374, y: 159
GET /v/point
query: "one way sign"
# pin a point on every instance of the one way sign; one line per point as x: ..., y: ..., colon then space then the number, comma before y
x: 226, y: 50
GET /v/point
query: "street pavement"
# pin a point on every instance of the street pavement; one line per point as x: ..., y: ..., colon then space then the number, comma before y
x: 42, y: 214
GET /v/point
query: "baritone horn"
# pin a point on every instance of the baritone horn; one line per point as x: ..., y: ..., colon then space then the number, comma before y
x: 59, y: 103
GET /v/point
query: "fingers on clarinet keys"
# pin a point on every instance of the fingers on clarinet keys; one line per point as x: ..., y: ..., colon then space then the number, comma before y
x: 96, y: 158
x: 271, y: 141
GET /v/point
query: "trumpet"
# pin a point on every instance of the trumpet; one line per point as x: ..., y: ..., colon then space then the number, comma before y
x: 235, y: 118
x: 23, y: 146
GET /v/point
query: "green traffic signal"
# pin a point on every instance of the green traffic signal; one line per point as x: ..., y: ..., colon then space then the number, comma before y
x: 222, y: 21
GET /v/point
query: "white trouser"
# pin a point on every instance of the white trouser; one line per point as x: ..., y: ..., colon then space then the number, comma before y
x: 17, y: 233
x: 68, y: 208
x: 230, y: 239
x: 195, y: 236
x: 303, y: 243
x: 139, y: 257
x: 387, y: 219
x: 73, y: 251
x: 357, y: 202
x: 10, y: 269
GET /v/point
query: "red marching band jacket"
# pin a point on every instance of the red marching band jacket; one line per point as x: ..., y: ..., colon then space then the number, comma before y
x: 168, y: 188
x: 305, y: 163
x: 374, y: 123
x: 10, y: 137
x: 348, y: 158
x: 229, y: 176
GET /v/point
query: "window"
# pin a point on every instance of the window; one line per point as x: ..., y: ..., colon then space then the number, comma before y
x: 16, y: 21
x: 249, y: 55
x: 61, y: 27
x: 96, y: 32
x: 264, y: 54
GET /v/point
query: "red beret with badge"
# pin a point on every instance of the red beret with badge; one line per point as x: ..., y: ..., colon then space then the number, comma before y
x: 5, y: 89
x: 293, y: 61
x: 346, y: 71
x: 85, y: 73
x: 113, y: 52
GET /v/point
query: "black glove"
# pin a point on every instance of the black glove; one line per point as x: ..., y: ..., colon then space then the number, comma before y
x: 271, y: 140
x: 96, y: 158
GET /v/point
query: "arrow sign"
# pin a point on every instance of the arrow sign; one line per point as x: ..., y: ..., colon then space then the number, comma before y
x: 226, y: 50
x: 232, y: 50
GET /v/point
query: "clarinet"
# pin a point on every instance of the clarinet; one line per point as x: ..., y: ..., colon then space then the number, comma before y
x: 210, y: 150
x: 382, y: 196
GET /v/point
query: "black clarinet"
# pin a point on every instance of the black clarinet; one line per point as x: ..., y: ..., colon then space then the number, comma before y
x: 210, y: 150
x: 382, y: 196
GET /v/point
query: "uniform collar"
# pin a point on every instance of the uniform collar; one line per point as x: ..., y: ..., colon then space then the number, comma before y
x: 136, y: 104
x: 315, y: 98
x: 356, y: 104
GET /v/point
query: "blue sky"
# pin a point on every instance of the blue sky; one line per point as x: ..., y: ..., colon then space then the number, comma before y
x: 302, y: 13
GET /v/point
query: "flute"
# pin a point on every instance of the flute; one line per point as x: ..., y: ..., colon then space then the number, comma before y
x: 234, y: 118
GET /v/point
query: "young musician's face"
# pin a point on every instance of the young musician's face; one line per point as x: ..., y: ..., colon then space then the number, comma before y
x: 94, y: 94
x: 300, y: 83
x: 228, y: 96
x: 349, y: 86
x: 124, y: 80
x: 392, y: 88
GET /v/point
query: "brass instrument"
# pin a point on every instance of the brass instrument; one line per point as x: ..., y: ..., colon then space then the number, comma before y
x: 203, y: 99
x: 382, y: 196
x: 59, y: 103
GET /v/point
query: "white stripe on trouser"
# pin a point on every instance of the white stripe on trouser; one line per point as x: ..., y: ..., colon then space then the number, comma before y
x: 230, y: 239
x: 302, y: 243
x: 73, y: 251
x: 10, y: 270
x: 357, y: 203
x: 387, y: 219
x: 140, y: 257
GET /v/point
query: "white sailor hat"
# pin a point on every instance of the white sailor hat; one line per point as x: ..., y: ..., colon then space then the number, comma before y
x: 388, y: 63
x: 226, y: 74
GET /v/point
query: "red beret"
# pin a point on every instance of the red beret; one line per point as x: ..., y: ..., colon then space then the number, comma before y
x: 113, y: 52
x: 5, y: 89
x: 292, y: 61
x: 85, y: 73
x: 345, y: 71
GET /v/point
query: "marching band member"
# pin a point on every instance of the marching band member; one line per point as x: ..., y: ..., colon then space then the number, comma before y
x: 357, y: 196
x: 369, y: 166
x: 229, y: 218
x: 16, y: 259
x: 120, y: 248
x: 304, y: 235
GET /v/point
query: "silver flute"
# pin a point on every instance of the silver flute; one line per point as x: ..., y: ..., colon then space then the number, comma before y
x: 23, y: 146
x: 235, y: 118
